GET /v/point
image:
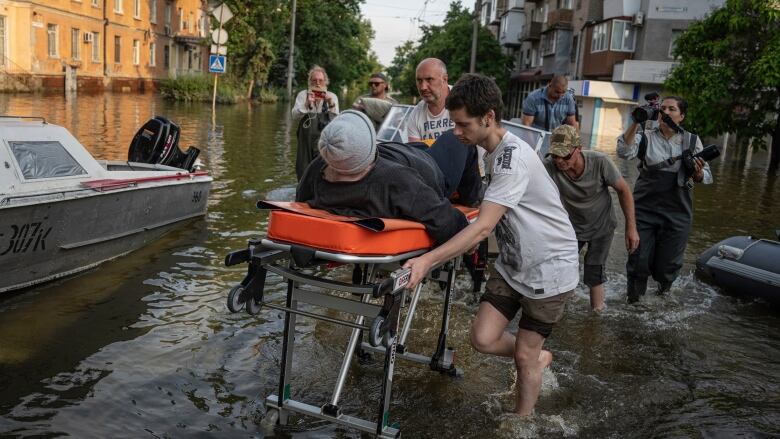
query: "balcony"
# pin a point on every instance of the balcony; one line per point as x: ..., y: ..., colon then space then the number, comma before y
x: 560, y: 18
x: 645, y: 72
x: 532, y: 31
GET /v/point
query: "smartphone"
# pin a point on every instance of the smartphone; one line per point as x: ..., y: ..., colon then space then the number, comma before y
x: 320, y: 94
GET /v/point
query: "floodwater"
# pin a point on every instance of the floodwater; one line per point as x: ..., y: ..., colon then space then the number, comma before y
x: 144, y: 346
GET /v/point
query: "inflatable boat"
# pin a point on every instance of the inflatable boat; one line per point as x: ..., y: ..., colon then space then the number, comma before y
x: 744, y: 266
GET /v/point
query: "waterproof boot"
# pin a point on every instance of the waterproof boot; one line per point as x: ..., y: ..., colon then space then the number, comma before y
x: 663, y: 288
x: 636, y: 288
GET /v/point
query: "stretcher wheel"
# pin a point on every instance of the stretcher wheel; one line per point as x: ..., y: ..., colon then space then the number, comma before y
x: 252, y: 306
x: 235, y: 302
x: 387, y: 340
x: 374, y: 337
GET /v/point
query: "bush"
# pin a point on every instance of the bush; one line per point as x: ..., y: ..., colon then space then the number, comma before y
x: 198, y: 88
x: 268, y: 95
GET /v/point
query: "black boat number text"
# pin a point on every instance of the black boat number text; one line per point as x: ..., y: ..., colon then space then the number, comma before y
x: 196, y: 196
x: 25, y: 237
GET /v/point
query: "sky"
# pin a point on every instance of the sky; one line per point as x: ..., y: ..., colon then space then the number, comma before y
x: 396, y: 21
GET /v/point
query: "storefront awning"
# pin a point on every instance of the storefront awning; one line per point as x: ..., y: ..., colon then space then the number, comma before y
x: 188, y: 40
x: 619, y: 101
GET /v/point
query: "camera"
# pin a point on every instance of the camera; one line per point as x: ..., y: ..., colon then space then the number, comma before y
x: 649, y: 111
x: 320, y: 94
x: 710, y: 152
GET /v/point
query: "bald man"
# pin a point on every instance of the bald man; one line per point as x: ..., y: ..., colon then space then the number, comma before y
x: 551, y: 106
x: 430, y: 119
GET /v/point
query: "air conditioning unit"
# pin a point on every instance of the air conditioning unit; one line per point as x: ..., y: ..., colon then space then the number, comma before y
x: 639, y: 19
x: 88, y: 37
x: 168, y: 30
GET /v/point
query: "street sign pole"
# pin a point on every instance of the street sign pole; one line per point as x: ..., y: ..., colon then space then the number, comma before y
x: 216, y: 75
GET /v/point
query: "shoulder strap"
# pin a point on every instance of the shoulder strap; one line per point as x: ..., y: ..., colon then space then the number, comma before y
x: 642, y: 152
x: 692, y: 140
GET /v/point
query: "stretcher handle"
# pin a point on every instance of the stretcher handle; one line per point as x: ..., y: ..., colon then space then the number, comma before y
x: 396, y: 281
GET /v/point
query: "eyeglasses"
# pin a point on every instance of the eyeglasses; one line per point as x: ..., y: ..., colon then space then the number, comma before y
x: 375, y: 83
x: 566, y: 158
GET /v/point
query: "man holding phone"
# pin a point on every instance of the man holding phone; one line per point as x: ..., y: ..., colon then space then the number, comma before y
x: 313, y: 110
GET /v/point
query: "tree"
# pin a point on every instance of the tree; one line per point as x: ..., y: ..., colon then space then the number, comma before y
x: 451, y: 42
x: 729, y: 71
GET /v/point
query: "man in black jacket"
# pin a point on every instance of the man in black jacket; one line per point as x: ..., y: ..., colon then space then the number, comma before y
x: 354, y: 177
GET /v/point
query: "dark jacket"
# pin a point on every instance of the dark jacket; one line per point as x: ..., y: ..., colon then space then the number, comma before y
x: 389, y: 190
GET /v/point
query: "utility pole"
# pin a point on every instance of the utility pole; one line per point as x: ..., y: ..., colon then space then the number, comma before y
x: 477, y: 11
x: 292, y: 51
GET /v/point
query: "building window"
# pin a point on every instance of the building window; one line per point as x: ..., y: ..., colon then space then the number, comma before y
x: 673, y: 44
x: 599, y: 41
x: 167, y: 56
x: 181, y: 19
x: 534, y: 58
x: 96, y: 46
x: 95, y: 4
x: 137, y: 9
x: 574, y: 47
x: 153, y: 11
x: 152, y: 55
x: 136, y: 52
x: 118, y: 6
x: 168, y: 8
x: 117, y: 49
x: 623, y: 36
x: 564, y: 4
x: 548, y: 43
x: 52, y: 43
x: 75, y: 44
x: 2, y: 40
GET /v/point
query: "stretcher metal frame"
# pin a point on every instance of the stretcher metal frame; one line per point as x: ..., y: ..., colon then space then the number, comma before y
x: 375, y: 304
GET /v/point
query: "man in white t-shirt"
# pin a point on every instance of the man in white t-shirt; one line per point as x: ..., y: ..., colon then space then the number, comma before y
x: 430, y: 119
x: 538, y: 264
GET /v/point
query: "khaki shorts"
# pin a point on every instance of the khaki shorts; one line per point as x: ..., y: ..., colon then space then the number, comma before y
x: 539, y: 315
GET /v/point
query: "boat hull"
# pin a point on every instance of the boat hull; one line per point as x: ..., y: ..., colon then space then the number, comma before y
x: 744, y: 266
x: 44, y: 241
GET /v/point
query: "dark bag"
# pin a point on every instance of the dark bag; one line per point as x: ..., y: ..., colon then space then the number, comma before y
x: 309, y: 129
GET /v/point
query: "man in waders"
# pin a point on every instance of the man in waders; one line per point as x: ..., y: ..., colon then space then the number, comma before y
x: 663, y: 195
x: 313, y: 109
x: 538, y: 264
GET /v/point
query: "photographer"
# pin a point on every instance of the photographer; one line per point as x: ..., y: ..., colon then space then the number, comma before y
x: 313, y: 109
x: 663, y: 193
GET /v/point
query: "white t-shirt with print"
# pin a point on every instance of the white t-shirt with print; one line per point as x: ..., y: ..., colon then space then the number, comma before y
x: 538, y: 254
x: 424, y: 125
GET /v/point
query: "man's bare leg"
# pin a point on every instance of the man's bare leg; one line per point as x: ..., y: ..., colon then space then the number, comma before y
x: 530, y: 360
x: 597, y: 297
x: 488, y: 332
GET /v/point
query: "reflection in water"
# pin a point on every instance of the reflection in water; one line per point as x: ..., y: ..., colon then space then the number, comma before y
x: 145, y: 345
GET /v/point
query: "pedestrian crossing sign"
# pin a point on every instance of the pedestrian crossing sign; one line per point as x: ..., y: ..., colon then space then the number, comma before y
x: 216, y: 63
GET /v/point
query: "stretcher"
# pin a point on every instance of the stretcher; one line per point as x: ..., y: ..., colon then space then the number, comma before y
x: 300, y: 238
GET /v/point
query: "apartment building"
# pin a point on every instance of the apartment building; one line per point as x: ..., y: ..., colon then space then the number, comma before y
x: 93, y: 45
x: 613, y: 51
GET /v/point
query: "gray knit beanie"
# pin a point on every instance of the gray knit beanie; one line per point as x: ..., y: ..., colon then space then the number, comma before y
x: 348, y: 143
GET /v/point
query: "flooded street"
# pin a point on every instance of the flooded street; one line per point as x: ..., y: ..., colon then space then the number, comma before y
x: 144, y: 346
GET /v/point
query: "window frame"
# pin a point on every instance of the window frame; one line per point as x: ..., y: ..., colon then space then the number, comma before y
x: 75, y: 43
x: 604, y: 42
x: 153, y: 11
x: 53, y: 36
x: 136, y: 52
x: 626, y: 26
x: 548, y: 45
x: 95, y: 46
x: 675, y: 35
x: 20, y: 168
x: 137, y: 9
x: 152, y: 55
x: 117, y: 49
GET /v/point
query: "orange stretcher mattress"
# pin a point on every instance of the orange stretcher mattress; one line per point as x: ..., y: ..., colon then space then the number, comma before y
x: 297, y: 223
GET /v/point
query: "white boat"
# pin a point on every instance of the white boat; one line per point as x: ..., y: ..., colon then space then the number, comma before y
x: 62, y: 211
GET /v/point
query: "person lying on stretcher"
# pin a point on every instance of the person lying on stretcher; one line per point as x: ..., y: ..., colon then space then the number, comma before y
x: 355, y: 177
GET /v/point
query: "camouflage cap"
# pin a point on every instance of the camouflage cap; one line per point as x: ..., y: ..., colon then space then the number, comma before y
x: 563, y: 140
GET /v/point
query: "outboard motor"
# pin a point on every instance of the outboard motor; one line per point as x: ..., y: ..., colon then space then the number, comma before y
x: 158, y: 142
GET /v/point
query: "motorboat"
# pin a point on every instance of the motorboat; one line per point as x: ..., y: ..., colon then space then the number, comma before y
x: 745, y: 266
x: 62, y: 211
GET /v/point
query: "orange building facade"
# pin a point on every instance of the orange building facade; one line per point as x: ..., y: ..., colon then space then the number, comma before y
x: 94, y: 45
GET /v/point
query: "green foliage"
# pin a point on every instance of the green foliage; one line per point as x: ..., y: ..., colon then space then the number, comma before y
x: 267, y: 96
x: 330, y: 33
x: 729, y: 71
x: 450, y: 42
x: 199, y: 88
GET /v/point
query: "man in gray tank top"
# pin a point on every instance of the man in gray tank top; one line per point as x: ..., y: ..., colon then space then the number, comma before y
x: 582, y: 178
